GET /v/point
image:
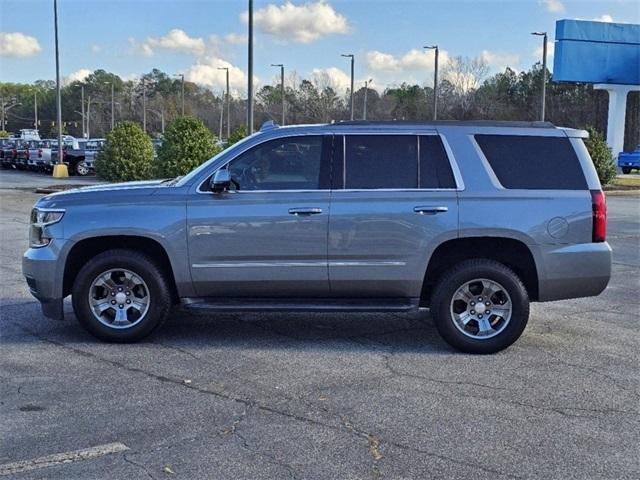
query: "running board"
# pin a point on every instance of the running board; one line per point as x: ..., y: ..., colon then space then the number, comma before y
x: 300, y: 304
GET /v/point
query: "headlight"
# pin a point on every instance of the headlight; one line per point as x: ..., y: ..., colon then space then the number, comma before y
x: 41, y: 218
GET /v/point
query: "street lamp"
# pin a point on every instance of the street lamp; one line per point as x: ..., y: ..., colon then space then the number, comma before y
x: 181, y: 75
x: 112, y: 104
x: 350, y: 55
x: 228, y: 101
x: 144, y: 106
x: 366, y: 88
x: 435, y: 81
x: 544, y: 70
x: 5, y: 108
x: 60, y: 169
x: 250, y: 70
x: 281, y: 85
x: 35, y: 108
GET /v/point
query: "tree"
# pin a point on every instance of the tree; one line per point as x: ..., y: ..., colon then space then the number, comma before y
x: 237, y: 135
x: 4, y: 134
x: 127, y: 154
x: 601, y: 156
x: 187, y: 144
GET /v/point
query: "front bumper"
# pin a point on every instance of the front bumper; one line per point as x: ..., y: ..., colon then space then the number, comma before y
x: 40, y: 269
x: 572, y: 271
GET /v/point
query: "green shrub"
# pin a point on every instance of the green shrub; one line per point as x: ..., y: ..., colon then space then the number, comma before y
x: 601, y: 156
x: 4, y: 134
x: 237, y: 134
x: 127, y: 154
x: 187, y: 144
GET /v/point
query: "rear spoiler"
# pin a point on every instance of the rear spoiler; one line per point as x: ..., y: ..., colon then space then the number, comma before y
x: 574, y: 132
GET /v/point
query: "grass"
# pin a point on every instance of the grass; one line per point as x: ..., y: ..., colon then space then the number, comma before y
x: 626, y: 181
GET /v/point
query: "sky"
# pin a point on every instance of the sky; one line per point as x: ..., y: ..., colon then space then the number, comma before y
x: 197, y: 37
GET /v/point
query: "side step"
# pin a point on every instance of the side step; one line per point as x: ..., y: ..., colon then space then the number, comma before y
x: 301, y: 304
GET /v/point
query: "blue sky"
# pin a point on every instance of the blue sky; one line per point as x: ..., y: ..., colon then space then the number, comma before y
x: 195, y: 37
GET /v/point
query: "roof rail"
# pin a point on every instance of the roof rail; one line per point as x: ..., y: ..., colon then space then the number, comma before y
x: 268, y: 125
x: 462, y: 123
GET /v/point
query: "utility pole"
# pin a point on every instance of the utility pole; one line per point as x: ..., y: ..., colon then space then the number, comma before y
x: 84, y: 131
x: 112, y: 104
x: 221, y: 115
x: 58, y: 95
x: 181, y: 75
x: 228, y: 100
x: 366, y: 88
x: 281, y: 87
x: 5, y: 108
x: 144, y: 106
x: 250, y: 72
x: 435, y: 81
x: 350, y: 55
x: 35, y: 109
x: 88, y: 115
x: 544, y: 71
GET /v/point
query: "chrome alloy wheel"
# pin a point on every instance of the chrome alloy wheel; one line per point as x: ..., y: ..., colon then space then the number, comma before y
x: 82, y: 169
x: 119, y: 298
x: 481, y: 308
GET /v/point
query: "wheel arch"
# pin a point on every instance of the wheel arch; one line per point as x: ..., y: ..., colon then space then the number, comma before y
x: 512, y: 253
x: 83, y: 250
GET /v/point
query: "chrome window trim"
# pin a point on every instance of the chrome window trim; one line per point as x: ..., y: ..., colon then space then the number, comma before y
x: 317, y: 263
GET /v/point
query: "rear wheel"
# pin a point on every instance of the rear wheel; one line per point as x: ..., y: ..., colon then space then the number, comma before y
x: 626, y: 170
x: 121, y: 296
x: 480, y: 306
x: 81, y: 168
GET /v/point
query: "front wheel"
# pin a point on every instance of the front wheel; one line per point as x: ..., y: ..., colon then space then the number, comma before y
x: 121, y: 296
x: 480, y: 306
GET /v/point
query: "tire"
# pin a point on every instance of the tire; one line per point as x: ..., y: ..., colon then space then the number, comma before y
x: 626, y: 170
x: 135, y: 324
x: 80, y: 168
x: 470, y: 280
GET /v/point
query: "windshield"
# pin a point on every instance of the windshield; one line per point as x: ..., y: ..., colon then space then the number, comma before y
x: 194, y: 173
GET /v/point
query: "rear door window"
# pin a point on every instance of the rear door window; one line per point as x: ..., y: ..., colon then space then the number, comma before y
x: 435, y: 169
x: 381, y: 161
x: 533, y: 163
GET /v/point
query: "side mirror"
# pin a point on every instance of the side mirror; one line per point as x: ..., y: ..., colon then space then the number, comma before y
x: 221, y: 181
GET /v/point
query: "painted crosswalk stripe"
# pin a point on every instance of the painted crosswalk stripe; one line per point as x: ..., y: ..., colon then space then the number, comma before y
x: 62, y: 458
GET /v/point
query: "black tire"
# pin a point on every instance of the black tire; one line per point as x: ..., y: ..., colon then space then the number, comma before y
x: 80, y: 168
x: 626, y: 170
x: 467, y: 271
x: 142, y: 266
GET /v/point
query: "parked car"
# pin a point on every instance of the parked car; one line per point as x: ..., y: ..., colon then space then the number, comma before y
x: 473, y: 220
x: 94, y: 145
x: 628, y: 161
x: 21, y: 157
x: 6, y: 144
x: 68, y: 143
x: 40, y: 155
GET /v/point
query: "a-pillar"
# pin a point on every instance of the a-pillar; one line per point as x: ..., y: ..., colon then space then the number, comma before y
x: 617, y: 113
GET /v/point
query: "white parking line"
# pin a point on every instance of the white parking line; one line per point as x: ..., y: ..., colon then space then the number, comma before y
x: 61, y: 458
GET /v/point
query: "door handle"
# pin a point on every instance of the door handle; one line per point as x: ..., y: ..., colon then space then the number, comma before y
x: 430, y: 210
x: 305, y: 211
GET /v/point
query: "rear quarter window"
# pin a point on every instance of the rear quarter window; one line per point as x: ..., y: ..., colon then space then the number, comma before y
x: 533, y: 163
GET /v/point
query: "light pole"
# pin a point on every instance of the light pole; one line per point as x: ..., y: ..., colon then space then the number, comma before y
x: 84, y: 132
x: 144, y: 106
x: 181, y: 75
x: 281, y: 86
x: 35, y: 109
x: 350, y: 55
x: 366, y: 88
x: 5, y: 109
x: 112, y: 104
x: 60, y: 169
x: 250, y: 72
x: 544, y: 70
x: 228, y: 102
x: 435, y: 81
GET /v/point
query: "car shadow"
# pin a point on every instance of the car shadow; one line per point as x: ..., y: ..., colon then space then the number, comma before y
x: 23, y: 322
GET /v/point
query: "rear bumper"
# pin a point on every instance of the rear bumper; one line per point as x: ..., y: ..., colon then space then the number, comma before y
x: 572, y: 271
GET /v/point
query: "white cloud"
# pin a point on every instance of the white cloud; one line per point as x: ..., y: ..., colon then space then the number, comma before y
x: 205, y: 72
x: 77, y: 76
x: 96, y: 48
x: 604, y: 18
x: 500, y: 61
x: 537, y: 53
x: 16, y: 44
x: 413, y: 60
x: 176, y: 39
x: 235, y: 38
x: 331, y: 77
x: 553, y: 6
x: 300, y: 23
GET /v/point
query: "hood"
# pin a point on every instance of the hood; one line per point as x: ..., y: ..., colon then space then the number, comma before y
x: 102, y: 192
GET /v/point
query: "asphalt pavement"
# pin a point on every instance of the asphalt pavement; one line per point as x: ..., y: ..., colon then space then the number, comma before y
x: 349, y: 396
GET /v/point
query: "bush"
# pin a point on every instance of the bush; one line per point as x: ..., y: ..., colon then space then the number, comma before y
x: 127, y: 154
x: 601, y: 156
x: 237, y: 134
x: 4, y: 134
x: 187, y: 144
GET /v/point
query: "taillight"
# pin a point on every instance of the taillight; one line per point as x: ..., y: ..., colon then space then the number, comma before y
x: 39, y: 153
x: 599, y: 206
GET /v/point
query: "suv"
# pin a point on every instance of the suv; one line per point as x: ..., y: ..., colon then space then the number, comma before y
x: 471, y: 220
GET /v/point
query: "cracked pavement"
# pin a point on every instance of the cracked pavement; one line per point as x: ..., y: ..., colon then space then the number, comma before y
x: 349, y: 396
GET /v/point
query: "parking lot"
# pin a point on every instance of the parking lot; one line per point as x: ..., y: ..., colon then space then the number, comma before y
x: 321, y: 395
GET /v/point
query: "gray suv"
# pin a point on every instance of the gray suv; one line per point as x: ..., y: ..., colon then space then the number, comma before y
x: 472, y: 220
